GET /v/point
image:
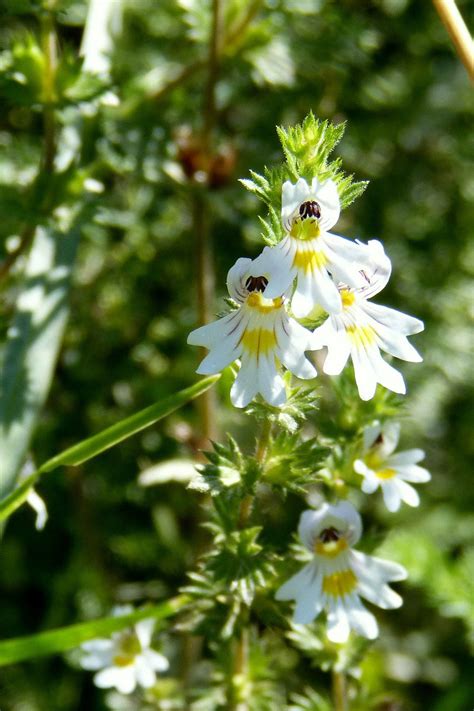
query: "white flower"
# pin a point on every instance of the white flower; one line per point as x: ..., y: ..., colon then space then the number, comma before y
x: 338, y: 575
x: 363, y: 328
x: 126, y: 660
x: 392, y: 472
x: 104, y: 21
x: 260, y: 333
x: 309, y: 252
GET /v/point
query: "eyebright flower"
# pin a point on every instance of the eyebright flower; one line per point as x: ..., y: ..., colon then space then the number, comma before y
x: 392, y: 472
x: 338, y: 575
x: 309, y: 252
x: 126, y: 660
x: 260, y: 333
x: 363, y: 328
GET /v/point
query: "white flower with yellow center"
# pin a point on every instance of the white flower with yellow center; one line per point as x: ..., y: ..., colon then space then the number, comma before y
x: 261, y: 333
x: 362, y: 329
x: 380, y: 467
x: 338, y: 575
x: 309, y: 252
x: 126, y: 659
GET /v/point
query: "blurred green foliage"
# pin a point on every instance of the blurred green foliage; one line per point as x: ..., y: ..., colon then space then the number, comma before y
x: 386, y: 67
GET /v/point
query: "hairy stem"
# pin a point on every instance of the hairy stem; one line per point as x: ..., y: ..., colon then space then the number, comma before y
x: 339, y: 691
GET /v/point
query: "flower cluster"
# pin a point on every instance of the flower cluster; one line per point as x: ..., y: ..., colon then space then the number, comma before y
x: 308, y: 270
x: 311, y: 267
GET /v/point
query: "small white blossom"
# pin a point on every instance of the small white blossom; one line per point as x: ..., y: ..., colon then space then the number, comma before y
x: 103, y: 23
x: 309, y: 252
x: 261, y: 333
x: 380, y: 467
x: 338, y: 575
x: 362, y: 329
x: 126, y: 659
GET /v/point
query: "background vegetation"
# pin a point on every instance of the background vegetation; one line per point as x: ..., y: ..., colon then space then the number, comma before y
x: 127, y: 183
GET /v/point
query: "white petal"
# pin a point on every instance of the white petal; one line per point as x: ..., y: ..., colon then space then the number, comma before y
x: 361, y: 620
x: 391, y: 495
x: 370, y: 484
x: 37, y: 504
x: 341, y: 515
x: 324, y: 334
x: 386, y: 375
x: 408, y: 494
x: 292, y: 196
x: 376, y: 569
x: 275, y: 264
x: 144, y: 672
x: 293, y: 587
x: 127, y: 680
x: 376, y: 268
x: 98, y: 645
x: 414, y: 474
x: 270, y: 383
x: 309, y: 602
x: 302, y: 302
x: 293, y: 340
x: 393, y: 319
x: 325, y: 292
x: 144, y: 630
x: 391, y: 435
x: 245, y: 386
x: 406, y: 458
x: 364, y: 374
x: 112, y: 677
x: 396, y: 344
x: 338, y: 623
x: 236, y: 277
x: 95, y: 661
x: 361, y: 467
x: 212, y: 334
x: 371, y: 433
x: 327, y: 196
x: 157, y: 661
x: 220, y: 357
x: 379, y: 594
x: 339, y: 349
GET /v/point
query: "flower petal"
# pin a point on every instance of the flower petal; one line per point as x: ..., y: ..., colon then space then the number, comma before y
x: 391, y: 495
x: 365, y: 376
x: 293, y: 340
x: 377, y: 569
x: 270, y: 383
x: 245, y: 386
x: 414, y: 474
x: 408, y: 494
x: 338, y: 622
x: 406, y: 458
x: 236, y: 279
x: 393, y: 319
x: 144, y: 672
x: 144, y: 630
x: 339, y: 350
x: 361, y: 620
x: 157, y: 661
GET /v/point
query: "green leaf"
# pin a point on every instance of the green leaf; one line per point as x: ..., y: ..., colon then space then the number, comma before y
x: 91, y: 447
x: 33, y: 344
x: 65, y: 638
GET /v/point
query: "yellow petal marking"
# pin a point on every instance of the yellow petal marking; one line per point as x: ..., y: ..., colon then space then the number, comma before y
x: 305, y: 230
x: 259, y: 341
x: 257, y: 301
x: 310, y: 260
x: 361, y: 336
x: 347, y: 297
x: 385, y: 473
x: 129, y: 647
x: 121, y: 660
x: 339, y: 584
x: 331, y: 549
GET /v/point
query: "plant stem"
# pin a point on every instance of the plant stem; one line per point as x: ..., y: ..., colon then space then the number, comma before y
x: 339, y: 691
x: 460, y: 36
x: 205, y: 262
x: 241, y: 651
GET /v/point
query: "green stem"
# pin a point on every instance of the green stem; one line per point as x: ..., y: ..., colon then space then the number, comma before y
x: 339, y: 691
